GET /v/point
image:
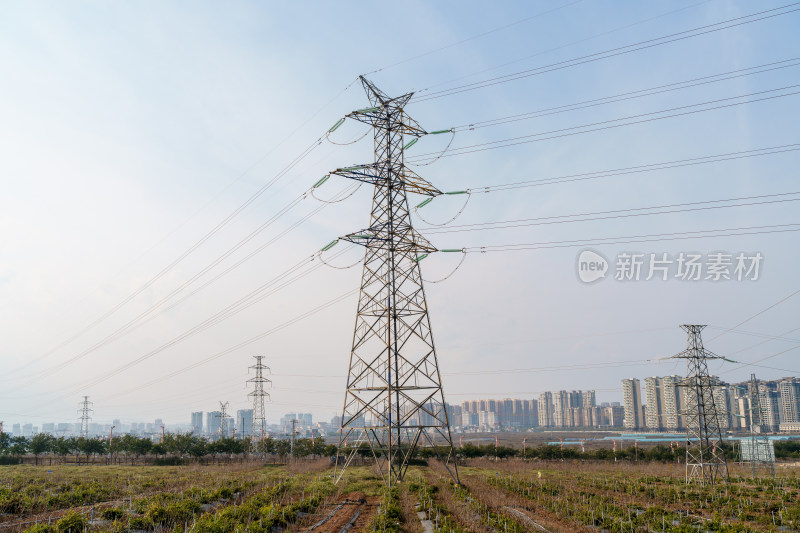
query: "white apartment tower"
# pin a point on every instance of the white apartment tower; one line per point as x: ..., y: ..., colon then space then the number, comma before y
x: 632, y: 400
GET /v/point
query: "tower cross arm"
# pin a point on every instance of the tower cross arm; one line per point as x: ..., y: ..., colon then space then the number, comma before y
x: 377, y: 174
x: 693, y: 354
x: 376, y: 237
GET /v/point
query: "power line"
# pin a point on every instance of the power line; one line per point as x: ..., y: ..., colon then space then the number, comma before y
x: 642, y: 45
x: 654, y: 237
x: 240, y: 345
x: 150, y: 313
x: 246, y: 301
x: 567, y: 45
x: 473, y: 37
x: 621, y: 213
x: 678, y: 163
x: 602, y: 125
x: 754, y: 363
x: 767, y: 338
x: 186, y: 253
x: 675, y: 86
x: 748, y: 319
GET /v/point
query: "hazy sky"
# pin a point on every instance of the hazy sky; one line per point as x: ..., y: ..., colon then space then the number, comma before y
x: 129, y: 131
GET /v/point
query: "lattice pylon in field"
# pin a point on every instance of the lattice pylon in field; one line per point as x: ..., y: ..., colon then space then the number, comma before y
x: 394, y: 401
x: 761, y: 450
x: 85, y: 412
x: 258, y: 394
x: 705, y: 456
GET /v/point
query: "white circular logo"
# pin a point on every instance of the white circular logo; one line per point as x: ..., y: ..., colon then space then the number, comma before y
x: 591, y: 266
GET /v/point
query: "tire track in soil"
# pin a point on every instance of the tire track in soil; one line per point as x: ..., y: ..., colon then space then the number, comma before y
x: 367, y: 512
x: 351, y: 505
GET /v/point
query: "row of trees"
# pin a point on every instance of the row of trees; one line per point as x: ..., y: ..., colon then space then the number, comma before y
x: 131, y: 448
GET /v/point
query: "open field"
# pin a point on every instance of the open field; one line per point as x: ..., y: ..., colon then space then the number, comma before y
x: 500, y: 496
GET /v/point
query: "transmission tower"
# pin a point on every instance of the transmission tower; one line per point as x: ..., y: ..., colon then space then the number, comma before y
x: 705, y: 456
x: 223, y: 414
x: 761, y: 453
x: 85, y: 412
x: 258, y: 395
x: 394, y: 400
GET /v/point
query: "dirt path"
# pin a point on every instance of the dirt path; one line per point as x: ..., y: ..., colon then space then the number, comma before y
x: 343, y: 515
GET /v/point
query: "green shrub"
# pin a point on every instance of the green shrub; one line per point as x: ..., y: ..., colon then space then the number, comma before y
x: 141, y: 522
x: 71, y: 522
x: 114, y: 513
x: 41, y: 528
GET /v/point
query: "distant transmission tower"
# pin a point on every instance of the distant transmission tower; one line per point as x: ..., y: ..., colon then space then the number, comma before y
x: 394, y: 400
x: 761, y: 453
x: 223, y: 410
x: 85, y: 412
x: 258, y: 395
x: 705, y: 457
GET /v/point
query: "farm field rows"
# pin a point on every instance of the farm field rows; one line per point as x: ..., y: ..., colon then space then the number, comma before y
x: 495, y: 496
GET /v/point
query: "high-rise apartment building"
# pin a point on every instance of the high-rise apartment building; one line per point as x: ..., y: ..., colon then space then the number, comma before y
x: 197, y: 422
x: 789, y: 390
x: 213, y: 421
x: 632, y: 401
x: 244, y: 421
x: 666, y: 401
x: 545, y: 408
x: 769, y: 397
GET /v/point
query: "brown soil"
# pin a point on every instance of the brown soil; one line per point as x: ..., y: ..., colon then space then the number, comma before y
x: 348, y: 505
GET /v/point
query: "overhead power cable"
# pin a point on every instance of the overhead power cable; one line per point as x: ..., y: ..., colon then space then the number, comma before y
x: 641, y: 45
x: 161, y: 305
x: 628, y: 239
x: 242, y: 344
x: 473, y: 37
x: 608, y: 124
x: 563, y: 46
x: 767, y: 338
x: 583, y: 176
x: 743, y: 201
x: 678, y: 163
x: 754, y: 363
x: 186, y: 253
x: 660, y: 89
x: 284, y: 279
x: 751, y: 317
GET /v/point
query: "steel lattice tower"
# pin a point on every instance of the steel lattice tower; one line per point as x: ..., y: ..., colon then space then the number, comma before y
x: 85, y: 411
x: 705, y: 457
x: 760, y: 446
x: 258, y: 394
x: 394, y: 400
x: 223, y: 414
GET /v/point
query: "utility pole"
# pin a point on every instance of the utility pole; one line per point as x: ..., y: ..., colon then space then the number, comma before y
x: 705, y: 457
x: 760, y: 449
x: 85, y: 412
x: 223, y: 408
x: 258, y: 394
x: 294, y: 432
x: 394, y: 399
x: 110, y: 435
